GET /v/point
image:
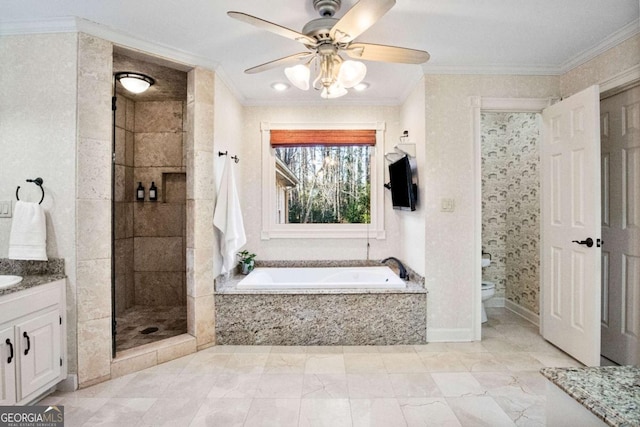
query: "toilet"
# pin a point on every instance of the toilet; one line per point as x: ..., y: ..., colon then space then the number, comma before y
x: 488, y: 290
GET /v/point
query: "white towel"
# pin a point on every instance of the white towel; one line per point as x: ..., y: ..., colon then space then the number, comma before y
x: 28, y: 238
x: 228, y: 219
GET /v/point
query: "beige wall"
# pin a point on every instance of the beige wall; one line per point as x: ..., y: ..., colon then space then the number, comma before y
x: 449, y: 173
x: 251, y: 190
x: 227, y: 136
x: 411, y: 224
x: 38, y: 108
x: 606, y: 65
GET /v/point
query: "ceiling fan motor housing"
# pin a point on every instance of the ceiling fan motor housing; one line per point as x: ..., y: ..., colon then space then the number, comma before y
x: 327, y: 8
x: 319, y: 28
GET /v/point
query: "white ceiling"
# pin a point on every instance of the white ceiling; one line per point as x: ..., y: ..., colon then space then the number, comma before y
x: 468, y: 36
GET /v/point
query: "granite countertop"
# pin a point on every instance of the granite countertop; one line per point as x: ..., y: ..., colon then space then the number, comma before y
x: 34, y: 273
x: 30, y: 282
x: 612, y: 393
x: 227, y: 285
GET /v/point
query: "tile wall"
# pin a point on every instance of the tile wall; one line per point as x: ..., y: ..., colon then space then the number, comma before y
x: 150, y: 235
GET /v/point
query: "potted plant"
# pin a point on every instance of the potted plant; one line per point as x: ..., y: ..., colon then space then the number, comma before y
x: 247, y: 261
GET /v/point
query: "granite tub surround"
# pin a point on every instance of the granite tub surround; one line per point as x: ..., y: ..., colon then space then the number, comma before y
x: 320, y: 316
x: 612, y: 393
x: 321, y: 319
x: 34, y: 273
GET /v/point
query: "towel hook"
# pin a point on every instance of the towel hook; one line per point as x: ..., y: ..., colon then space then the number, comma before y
x: 38, y: 181
x: 224, y: 153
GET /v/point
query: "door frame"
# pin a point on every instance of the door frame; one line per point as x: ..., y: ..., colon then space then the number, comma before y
x: 478, y: 104
x: 494, y: 105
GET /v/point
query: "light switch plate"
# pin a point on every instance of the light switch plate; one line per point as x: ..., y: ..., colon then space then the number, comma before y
x: 447, y: 205
x: 5, y: 209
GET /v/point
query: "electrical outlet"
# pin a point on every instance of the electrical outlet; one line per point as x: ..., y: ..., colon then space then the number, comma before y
x: 5, y: 209
x: 447, y: 205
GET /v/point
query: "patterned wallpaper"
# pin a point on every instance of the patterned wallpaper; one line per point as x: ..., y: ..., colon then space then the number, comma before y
x: 511, y: 206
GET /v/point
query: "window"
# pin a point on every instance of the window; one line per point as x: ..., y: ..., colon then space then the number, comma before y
x: 323, y: 184
x: 322, y: 180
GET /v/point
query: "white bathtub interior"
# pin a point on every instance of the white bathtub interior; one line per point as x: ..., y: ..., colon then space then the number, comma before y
x: 322, y: 278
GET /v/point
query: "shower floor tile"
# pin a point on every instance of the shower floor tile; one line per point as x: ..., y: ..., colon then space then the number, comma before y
x: 170, y: 321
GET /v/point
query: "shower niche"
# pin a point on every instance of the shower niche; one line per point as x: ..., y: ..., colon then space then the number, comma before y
x: 149, y: 233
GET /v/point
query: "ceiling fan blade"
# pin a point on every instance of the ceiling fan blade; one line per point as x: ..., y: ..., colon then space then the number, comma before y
x: 359, y: 18
x: 274, y: 28
x: 287, y: 60
x: 378, y: 52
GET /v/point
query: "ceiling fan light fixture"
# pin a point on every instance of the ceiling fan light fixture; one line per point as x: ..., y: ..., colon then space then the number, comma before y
x: 298, y: 76
x: 336, y: 90
x: 351, y: 73
x: 135, y: 82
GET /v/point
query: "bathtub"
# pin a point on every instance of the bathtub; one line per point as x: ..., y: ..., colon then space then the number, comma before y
x: 322, y: 278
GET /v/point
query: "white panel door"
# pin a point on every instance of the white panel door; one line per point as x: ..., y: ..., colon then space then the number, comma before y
x: 570, y: 204
x: 620, y: 133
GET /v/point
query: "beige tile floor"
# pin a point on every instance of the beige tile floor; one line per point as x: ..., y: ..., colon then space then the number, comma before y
x: 490, y: 383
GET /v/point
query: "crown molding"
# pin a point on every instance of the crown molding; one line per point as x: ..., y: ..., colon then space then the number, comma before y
x: 67, y: 24
x: 525, y: 70
x: 384, y: 102
x: 80, y: 25
x: 624, y: 33
x: 75, y: 24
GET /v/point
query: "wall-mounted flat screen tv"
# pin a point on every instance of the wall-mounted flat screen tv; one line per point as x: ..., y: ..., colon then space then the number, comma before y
x: 404, y: 184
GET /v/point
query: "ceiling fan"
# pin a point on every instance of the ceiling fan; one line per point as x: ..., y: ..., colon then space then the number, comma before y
x: 326, y: 38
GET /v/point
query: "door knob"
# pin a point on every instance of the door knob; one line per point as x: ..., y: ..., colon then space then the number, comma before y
x: 588, y: 242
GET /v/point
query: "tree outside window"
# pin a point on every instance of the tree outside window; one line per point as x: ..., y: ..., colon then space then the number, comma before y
x: 324, y: 184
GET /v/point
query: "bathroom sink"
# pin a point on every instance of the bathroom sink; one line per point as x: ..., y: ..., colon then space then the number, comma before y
x: 486, y: 262
x: 7, y: 281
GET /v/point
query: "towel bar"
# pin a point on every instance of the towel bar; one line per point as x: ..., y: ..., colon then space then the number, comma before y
x: 38, y: 181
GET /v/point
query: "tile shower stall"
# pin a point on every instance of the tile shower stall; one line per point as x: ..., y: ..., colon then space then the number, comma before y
x: 511, y: 205
x: 150, y: 236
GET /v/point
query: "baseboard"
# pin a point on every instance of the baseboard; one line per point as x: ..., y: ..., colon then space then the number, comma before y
x: 449, y: 335
x: 68, y: 384
x: 525, y: 313
x: 495, y: 302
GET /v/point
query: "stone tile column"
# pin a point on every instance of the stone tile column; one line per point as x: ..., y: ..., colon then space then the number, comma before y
x: 200, y: 205
x: 93, y: 209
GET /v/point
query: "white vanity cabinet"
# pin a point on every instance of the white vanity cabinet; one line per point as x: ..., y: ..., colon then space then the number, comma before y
x: 32, y: 342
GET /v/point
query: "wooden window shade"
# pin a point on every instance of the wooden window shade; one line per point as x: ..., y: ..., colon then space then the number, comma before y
x: 302, y: 137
